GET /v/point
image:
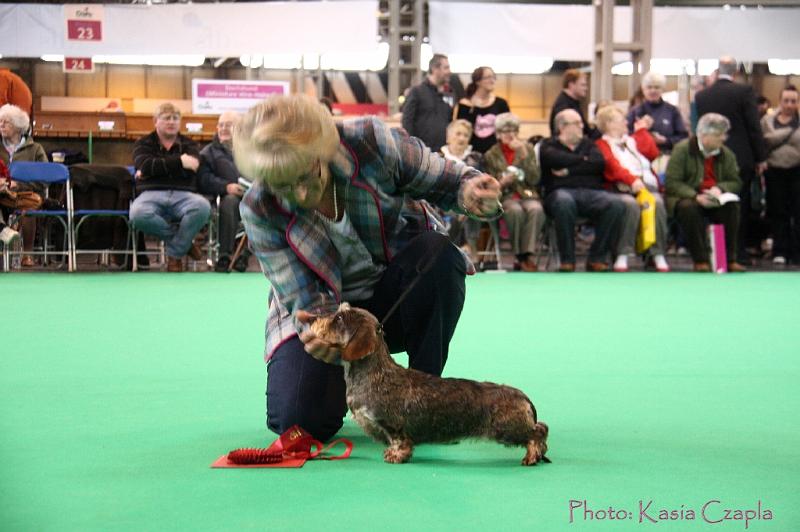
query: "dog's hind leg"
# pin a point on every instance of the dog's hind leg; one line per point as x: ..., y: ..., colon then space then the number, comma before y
x: 399, y: 451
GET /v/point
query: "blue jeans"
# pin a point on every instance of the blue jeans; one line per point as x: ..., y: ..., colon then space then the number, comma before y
x: 604, y: 209
x: 302, y: 390
x: 174, y: 216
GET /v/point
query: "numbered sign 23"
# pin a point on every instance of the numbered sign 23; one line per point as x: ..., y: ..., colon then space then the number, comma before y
x: 78, y: 65
x: 84, y: 22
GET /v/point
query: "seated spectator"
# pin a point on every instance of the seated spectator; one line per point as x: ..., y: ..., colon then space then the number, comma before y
x: 700, y: 170
x: 512, y: 161
x: 628, y: 171
x: 667, y: 125
x: 19, y: 146
x: 167, y: 205
x: 783, y: 176
x: 481, y: 107
x: 7, y: 234
x: 572, y: 182
x: 218, y: 176
x: 459, y: 149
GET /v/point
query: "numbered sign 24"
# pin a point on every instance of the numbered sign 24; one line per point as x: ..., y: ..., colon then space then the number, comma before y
x: 78, y: 65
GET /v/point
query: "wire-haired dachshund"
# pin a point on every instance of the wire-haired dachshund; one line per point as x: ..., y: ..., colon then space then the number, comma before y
x: 404, y: 407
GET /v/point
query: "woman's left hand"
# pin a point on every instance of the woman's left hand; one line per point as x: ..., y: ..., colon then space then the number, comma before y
x: 482, y: 195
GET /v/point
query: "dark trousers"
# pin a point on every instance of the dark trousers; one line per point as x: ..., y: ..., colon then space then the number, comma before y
x: 604, y: 209
x: 747, y: 235
x: 783, y: 210
x: 228, y: 223
x: 302, y: 390
x: 692, y: 217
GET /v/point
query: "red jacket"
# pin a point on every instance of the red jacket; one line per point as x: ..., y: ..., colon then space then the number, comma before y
x: 614, y: 171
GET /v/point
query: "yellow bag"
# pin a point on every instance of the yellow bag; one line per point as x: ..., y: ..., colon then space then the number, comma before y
x: 646, y: 236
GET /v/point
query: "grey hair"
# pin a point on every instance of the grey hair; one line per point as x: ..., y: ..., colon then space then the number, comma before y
x: 506, y: 121
x: 16, y: 116
x: 654, y: 78
x: 712, y: 123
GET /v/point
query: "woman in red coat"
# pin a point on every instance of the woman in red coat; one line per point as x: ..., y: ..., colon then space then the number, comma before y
x: 628, y: 170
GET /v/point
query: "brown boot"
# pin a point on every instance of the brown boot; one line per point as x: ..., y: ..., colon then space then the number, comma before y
x: 702, y: 267
x: 567, y: 267
x: 174, y: 265
x: 596, y: 267
x: 194, y: 252
x: 528, y: 265
x: 735, y: 267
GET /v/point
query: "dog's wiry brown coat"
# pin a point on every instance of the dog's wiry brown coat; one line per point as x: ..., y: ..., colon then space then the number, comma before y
x: 404, y: 407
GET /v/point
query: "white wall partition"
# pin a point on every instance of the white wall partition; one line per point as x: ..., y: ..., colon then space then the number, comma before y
x: 214, y: 30
x: 566, y: 31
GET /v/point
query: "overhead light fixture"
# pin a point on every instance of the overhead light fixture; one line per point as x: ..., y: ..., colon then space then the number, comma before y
x: 784, y: 67
x: 501, y: 64
x: 667, y: 67
x: 149, y: 60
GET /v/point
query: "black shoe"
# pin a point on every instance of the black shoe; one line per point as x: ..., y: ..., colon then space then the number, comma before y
x: 222, y: 265
x: 241, y: 263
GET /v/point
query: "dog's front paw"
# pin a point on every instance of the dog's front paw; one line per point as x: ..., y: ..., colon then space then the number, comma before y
x: 397, y: 454
x: 535, y: 453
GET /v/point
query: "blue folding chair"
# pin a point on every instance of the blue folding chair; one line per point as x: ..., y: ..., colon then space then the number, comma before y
x: 47, y: 174
x: 80, y: 216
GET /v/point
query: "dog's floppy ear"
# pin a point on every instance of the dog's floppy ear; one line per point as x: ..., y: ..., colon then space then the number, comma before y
x: 365, y: 341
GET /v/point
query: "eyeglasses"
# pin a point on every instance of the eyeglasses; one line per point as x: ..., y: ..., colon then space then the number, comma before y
x: 578, y: 123
x: 225, y: 125
x: 169, y: 117
x: 507, y: 130
x: 303, y: 181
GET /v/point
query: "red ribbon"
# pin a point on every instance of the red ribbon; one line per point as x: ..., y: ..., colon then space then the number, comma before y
x: 293, y: 445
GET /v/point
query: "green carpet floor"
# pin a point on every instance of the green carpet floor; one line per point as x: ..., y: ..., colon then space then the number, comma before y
x: 117, y: 391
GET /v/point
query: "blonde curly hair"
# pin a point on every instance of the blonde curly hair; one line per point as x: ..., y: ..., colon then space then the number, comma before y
x: 280, y: 138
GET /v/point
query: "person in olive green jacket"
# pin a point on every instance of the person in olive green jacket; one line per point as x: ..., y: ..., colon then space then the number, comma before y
x: 702, y: 181
x: 512, y: 161
x: 19, y: 146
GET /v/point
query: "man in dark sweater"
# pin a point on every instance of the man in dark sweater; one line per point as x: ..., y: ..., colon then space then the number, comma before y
x: 219, y: 177
x: 574, y: 89
x: 167, y: 205
x: 429, y: 106
x: 572, y: 181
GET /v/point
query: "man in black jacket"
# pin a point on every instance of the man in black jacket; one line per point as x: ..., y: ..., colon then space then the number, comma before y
x: 572, y: 181
x: 167, y: 205
x: 737, y: 103
x: 219, y: 177
x: 574, y: 89
x: 429, y: 106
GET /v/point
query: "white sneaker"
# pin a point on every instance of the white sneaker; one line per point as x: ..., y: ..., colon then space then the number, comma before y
x: 779, y: 261
x: 8, y: 235
x: 660, y: 262
x: 621, y: 264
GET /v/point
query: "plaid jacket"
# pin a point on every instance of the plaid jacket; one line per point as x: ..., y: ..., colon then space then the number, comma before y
x: 387, y: 176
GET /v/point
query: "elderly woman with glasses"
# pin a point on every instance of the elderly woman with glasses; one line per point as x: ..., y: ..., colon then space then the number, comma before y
x: 627, y: 171
x: 340, y: 213
x: 700, y: 170
x: 662, y: 118
x: 480, y: 107
x: 512, y: 161
x: 19, y: 146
